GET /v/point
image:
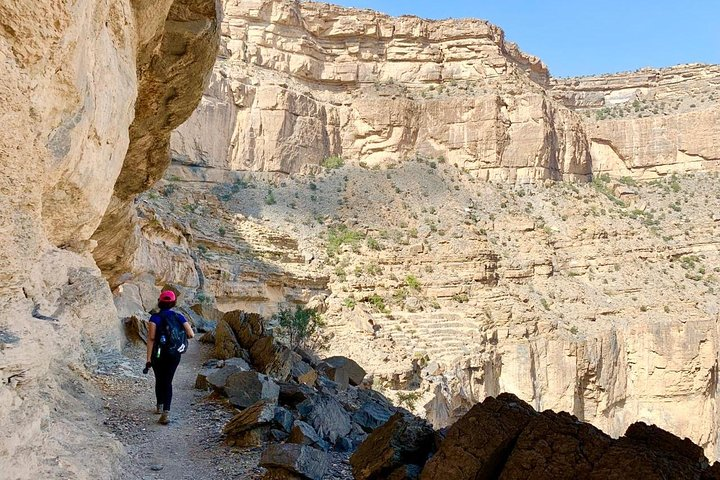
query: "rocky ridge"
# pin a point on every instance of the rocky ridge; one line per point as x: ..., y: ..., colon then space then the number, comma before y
x: 298, y: 82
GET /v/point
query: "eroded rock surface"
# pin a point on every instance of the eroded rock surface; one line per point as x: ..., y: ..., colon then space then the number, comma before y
x: 75, y: 78
x: 650, y: 122
x: 298, y: 82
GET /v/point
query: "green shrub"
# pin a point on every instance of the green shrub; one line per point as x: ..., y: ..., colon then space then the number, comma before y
x: 270, y: 198
x: 221, y: 231
x: 461, y: 298
x: 412, y: 282
x: 378, y: 302
x: 408, y: 399
x: 300, y: 327
x: 342, y: 235
x: 373, y: 244
x: 334, y: 161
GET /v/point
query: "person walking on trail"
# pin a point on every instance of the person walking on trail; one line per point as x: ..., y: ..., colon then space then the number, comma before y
x: 168, y: 333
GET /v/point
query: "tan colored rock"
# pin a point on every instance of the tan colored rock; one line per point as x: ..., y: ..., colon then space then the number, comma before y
x: 298, y: 82
x: 650, y: 122
x: 73, y: 79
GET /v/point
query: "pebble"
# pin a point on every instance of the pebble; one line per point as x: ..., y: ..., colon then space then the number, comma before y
x: 156, y: 468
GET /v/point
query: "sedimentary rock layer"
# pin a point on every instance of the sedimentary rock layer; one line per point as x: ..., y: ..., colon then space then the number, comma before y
x: 298, y: 82
x: 649, y: 122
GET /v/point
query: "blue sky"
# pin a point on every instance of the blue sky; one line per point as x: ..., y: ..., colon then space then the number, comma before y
x: 588, y: 37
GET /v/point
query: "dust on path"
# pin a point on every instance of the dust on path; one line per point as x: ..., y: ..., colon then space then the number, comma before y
x: 191, y: 446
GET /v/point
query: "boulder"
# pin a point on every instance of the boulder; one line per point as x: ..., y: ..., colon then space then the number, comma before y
x: 283, y: 419
x: 244, y: 389
x: 208, y: 337
x: 374, y: 410
x: 277, y: 435
x: 306, y: 462
x: 403, y: 440
x: 303, y: 373
x: 280, y: 474
x: 304, y: 434
x: 201, y: 382
x: 251, y: 427
x: 344, y: 444
x: 136, y: 328
x: 326, y: 416
x: 226, y: 344
x: 648, y: 452
x: 272, y: 358
x: 217, y: 379
x: 292, y: 394
x: 504, y: 438
x: 556, y: 446
x: 343, y: 371
x: 477, y: 445
x: 207, y: 311
x: 405, y: 472
x: 199, y: 323
x: 247, y: 327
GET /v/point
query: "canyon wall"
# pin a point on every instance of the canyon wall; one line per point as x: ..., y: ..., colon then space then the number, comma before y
x: 577, y: 298
x: 91, y: 91
x: 298, y: 82
x: 651, y: 122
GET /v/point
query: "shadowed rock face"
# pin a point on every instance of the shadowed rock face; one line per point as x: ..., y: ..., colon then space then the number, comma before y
x: 172, y: 67
x: 91, y: 90
x: 505, y: 438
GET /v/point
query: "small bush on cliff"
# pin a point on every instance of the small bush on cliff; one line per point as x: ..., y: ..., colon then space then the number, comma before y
x: 378, y: 302
x: 408, y: 399
x: 334, y: 161
x: 412, y: 282
x: 300, y: 327
x: 342, y: 235
x: 270, y: 198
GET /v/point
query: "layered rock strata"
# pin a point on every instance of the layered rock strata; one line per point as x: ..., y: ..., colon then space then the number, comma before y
x: 298, y: 82
x: 650, y: 122
x: 595, y: 299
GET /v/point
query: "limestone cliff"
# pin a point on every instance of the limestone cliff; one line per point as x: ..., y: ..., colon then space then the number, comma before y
x: 649, y: 122
x: 298, y: 82
x: 91, y: 91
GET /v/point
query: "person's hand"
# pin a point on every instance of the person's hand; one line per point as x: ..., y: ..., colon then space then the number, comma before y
x: 147, y: 367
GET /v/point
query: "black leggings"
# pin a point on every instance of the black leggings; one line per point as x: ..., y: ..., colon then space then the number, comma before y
x: 164, y: 369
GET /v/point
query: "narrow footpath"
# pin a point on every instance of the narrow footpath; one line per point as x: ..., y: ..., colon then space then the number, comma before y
x: 191, y: 446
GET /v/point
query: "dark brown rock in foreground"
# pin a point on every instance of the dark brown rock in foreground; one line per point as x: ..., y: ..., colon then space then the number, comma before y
x: 403, y: 441
x: 478, y: 444
x: 504, y: 438
x: 342, y: 370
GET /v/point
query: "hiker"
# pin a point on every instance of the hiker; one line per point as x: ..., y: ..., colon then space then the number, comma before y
x: 168, y: 332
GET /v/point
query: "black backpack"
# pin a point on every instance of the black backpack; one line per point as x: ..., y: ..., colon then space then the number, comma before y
x: 170, y: 337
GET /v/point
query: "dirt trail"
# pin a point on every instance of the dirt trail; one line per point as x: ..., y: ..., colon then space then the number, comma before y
x: 191, y: 446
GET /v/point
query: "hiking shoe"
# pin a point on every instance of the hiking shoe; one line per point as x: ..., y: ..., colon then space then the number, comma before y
x: 159, y: 409
x: 164, y: 418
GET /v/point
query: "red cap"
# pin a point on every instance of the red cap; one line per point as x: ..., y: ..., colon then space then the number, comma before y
x: 167, y: 296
